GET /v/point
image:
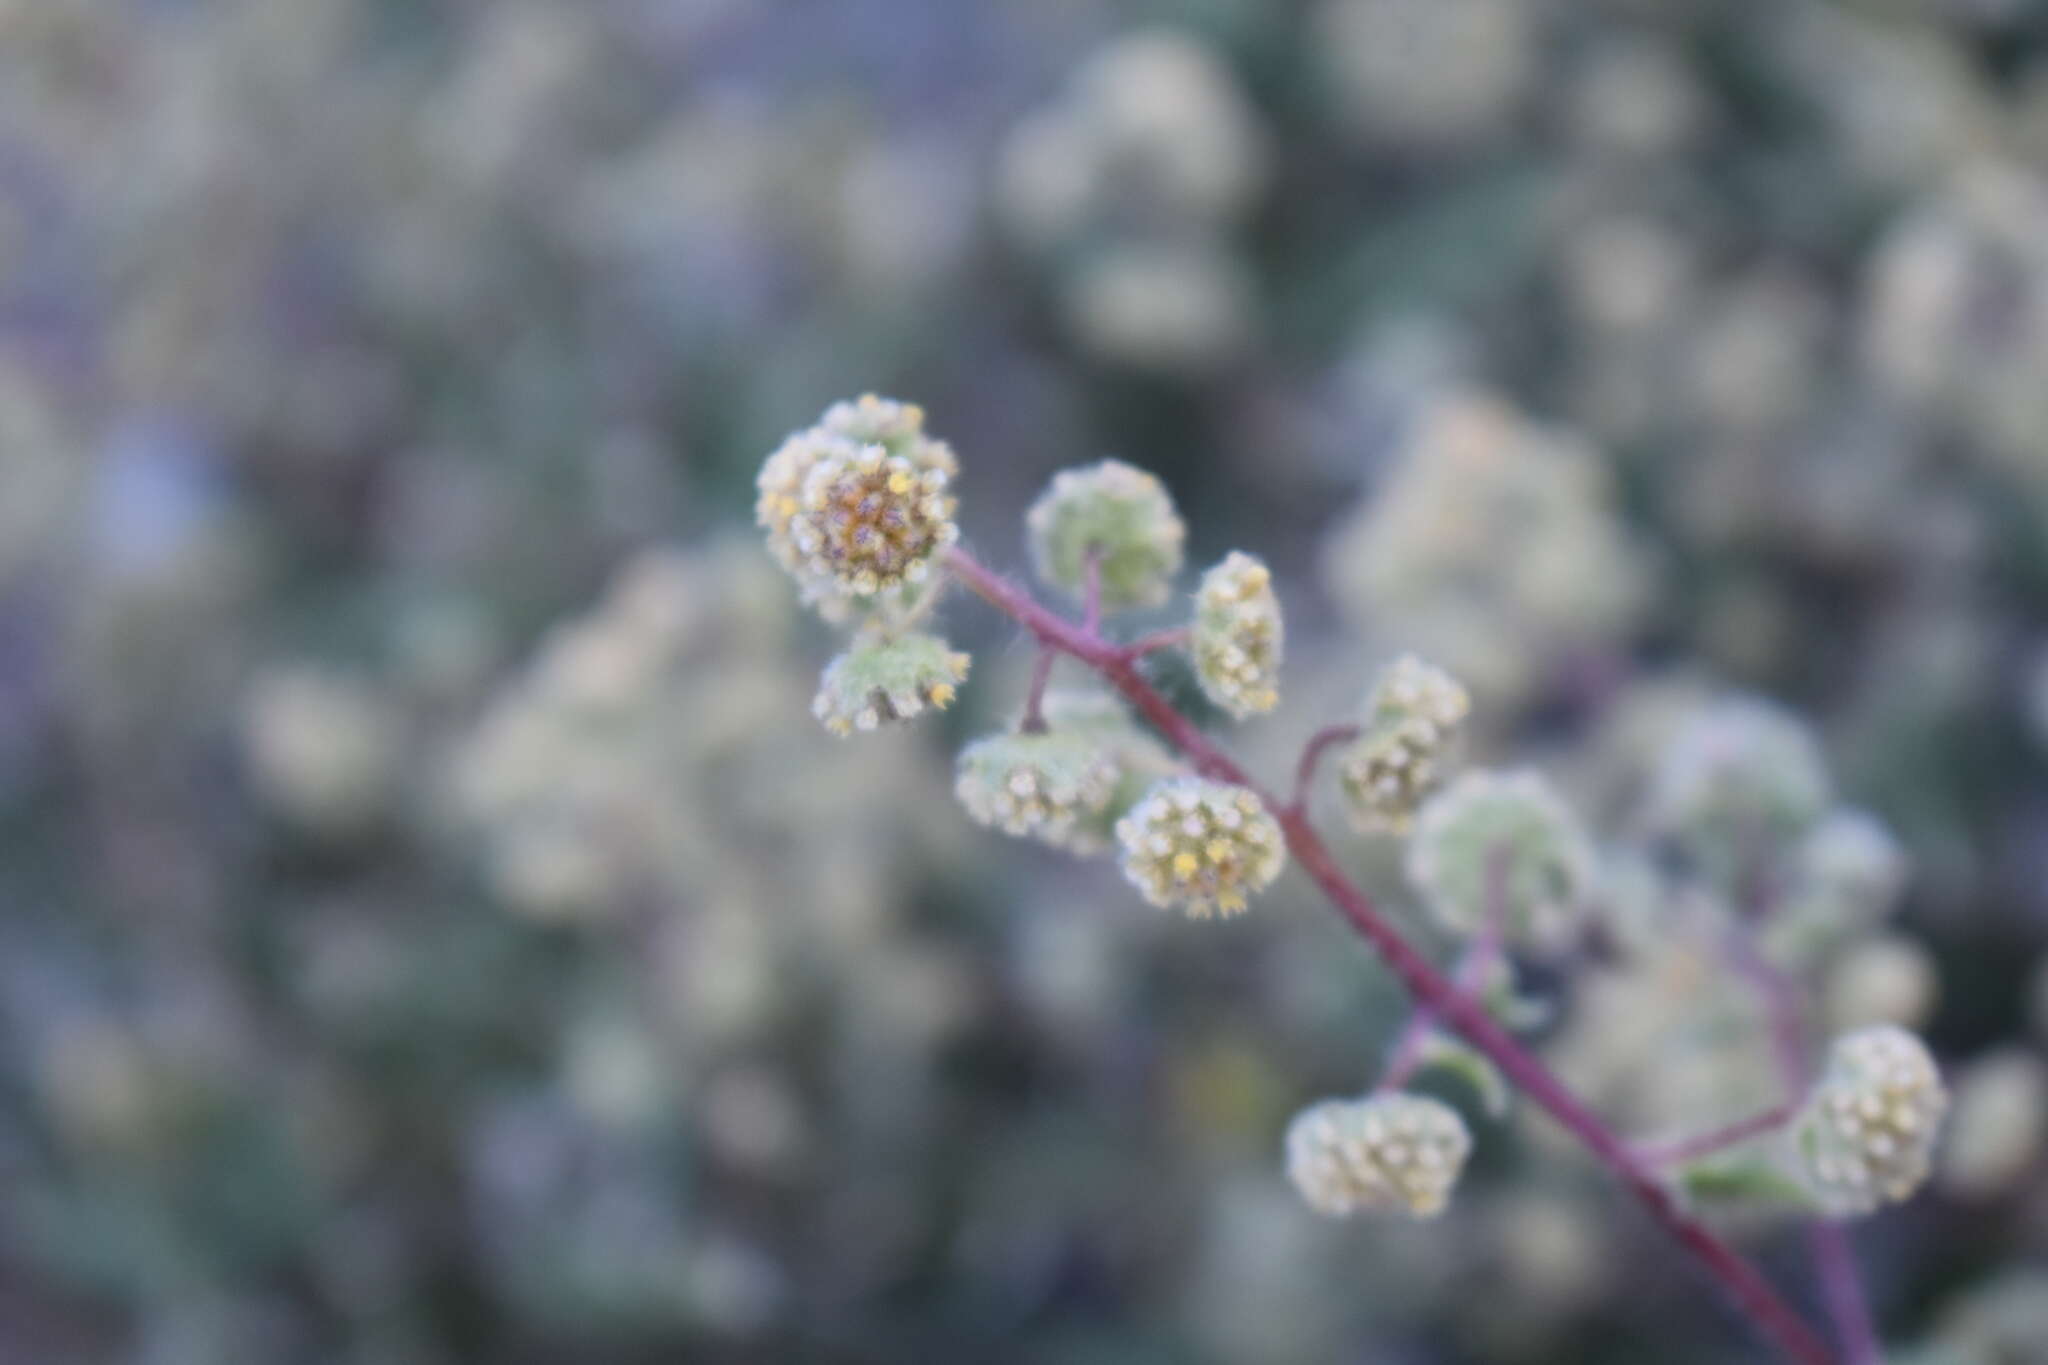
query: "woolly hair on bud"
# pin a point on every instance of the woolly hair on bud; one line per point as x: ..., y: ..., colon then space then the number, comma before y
x: 1203, y: 846
x: 1391, y: 1152
x: 1121, y: 514
x: 881, y: 679
x: 1050, y: 786
x: 1237, y: 636
x: 1508, y: 834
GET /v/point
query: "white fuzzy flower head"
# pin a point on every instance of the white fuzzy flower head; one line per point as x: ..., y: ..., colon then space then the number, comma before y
x: 1739, y: 782
x: 1501, y: 844
x: 1389, y: 1152
x: 1867, y: 1130
x: 880, y: 680
x: 1415, y: 715
x: 1201, y: 845
x: 1238, y: 635
x: 1122, y: 514
x: 1048, y: 786
x: 857, y: 505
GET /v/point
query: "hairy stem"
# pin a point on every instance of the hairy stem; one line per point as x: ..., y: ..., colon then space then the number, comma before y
x: 1768, y: 1313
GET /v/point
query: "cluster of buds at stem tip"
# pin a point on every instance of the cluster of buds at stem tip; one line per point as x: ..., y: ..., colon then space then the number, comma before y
x: 1387, y: 1152
x: 1414, y: 717
x: 1204, y: 846
x: 1866, y: 1133
x: 1237, y: 636
x: 856, y: 509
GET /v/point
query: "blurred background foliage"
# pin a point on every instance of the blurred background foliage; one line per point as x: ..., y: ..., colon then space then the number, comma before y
x: 432, y: 928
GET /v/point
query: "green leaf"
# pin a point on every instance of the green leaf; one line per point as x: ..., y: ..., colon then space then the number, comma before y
x: 1442, y: 1051
x: 1750, y: 1182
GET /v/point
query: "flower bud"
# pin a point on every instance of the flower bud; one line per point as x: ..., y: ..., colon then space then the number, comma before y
x: 1740, y: 782
x: 1867, y: 1130
x: 881, y: 680
x: 1047, y: 786
x: 1237, y: 636
x: 1501, y: 844
x: 2000, y: 1118
x: 1414, y: 717
x: 1120, y: 513
x: 858, y: 504
x: 1392, y: 1151
x: 897, y: 427
x: 1846, y: 876
x: 1201, y: 845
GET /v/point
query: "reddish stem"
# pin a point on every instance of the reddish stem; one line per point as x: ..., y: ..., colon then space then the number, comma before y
x: 1312, y: 753
x: 1840, y: 1284
x: 1691, y: 1148
x: 1405, y: 1056
x: 1156, y: 641
x: 1034, y: 700
x: 1771, y: 1316
x: 1834, y: 1260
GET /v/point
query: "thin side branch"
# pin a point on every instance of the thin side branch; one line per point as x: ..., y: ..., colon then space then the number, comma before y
x: 1767, y: 1312
x: 1159, y: 639
x: 1321, y: 742
x: 1834, y: 1259
x: 1677, y: 1151
x: 1034, y: 700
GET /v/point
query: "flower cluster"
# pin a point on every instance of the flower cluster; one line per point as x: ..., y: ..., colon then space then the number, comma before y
x: 1201, y: 845
x: 1867, y: 1131
x: 883, y: 679
x: 858, y: 505
x: 1049, y: 786
x: 1414, y: 716
x: 1122, y: 516
x: 1392, y: 1151
x: 1501, y: 848
x: 1237, y: 636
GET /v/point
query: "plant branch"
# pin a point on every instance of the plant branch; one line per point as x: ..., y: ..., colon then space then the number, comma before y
x: 1768, y: 1313
x: 1834, y: 1259
x: 1678, y: 1150
x: 1321, y: 742
x: 1156, y: 641
x: 1842, y: 1287
x: 1034, y: 700
x: 1467, y: 977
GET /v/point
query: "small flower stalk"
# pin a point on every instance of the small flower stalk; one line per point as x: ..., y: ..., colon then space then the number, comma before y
x: 1415, y: 717
x: 1866, y: 1135
x: 1119, y: 514
x: 880, y: 680
x: 1049, y: 786
x: 1237, y: 636
x: 1392, y: 1152
x: 1203, y: 846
